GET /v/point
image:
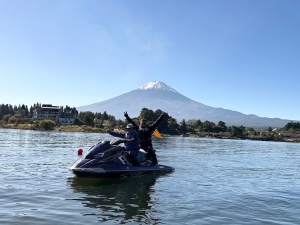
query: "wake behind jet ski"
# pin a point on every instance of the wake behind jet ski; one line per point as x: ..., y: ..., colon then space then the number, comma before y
x: 109, y: 160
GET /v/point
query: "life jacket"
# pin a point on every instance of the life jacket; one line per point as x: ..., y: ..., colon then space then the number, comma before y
x: 134, y: 146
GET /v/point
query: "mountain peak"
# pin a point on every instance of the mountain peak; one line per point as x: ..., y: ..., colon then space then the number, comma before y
x: 157, y: 95
x: 157, y: 85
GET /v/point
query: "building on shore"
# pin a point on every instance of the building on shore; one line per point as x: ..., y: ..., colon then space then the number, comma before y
x: 66, y: 118
x: 46, y: 112
x: 50, y: 112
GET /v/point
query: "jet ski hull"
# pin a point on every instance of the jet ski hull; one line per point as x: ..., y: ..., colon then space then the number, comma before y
x: 118, y: 171
x: 105, y: 160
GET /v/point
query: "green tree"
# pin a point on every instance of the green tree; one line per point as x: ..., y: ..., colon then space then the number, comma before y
x: 208, y: 126
x: 104, y: 116
x: 221, y: 126
x: 172, y: 125
x: 88, y: 119
x: 120, y: 124
x: 31, y: 111
x: 95, y: 121
x: 292, y: 125
x: 12, y: 119
x: 45, y: 124
x: 237, y: 131
x: 6, y: 117
x: 198, y: 124
x: 183, y: 127
x: 98, y: 116
x: 26, y: 111
x: 77, y: 122
x: 291, y: 130
x: 147, y: 114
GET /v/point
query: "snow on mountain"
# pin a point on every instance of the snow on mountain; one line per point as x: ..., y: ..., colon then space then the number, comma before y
x: 157, y: 85
x: 158, y: 95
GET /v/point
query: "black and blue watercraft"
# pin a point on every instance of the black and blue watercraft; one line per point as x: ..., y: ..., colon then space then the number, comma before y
x: 109, y: 160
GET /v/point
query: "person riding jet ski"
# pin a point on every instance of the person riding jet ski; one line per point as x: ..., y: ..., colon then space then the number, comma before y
x: 145, y: 132
x: 131, y: 142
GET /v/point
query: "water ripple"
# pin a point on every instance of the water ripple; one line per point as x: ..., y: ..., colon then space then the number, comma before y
x: 215, y: 181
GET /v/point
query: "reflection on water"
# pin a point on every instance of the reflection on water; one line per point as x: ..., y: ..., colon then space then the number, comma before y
x: 121, y: 200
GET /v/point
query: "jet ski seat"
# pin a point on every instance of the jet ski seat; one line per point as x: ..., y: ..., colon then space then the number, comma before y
x: 141, y: 155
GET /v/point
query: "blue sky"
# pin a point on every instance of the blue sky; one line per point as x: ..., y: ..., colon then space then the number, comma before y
x: 234, y: 54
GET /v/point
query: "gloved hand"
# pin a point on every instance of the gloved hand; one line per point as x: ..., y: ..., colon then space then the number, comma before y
x: 126, y: 114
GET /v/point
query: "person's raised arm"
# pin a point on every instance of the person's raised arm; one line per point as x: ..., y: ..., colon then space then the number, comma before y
x: 115, y: 134
x: 155, y: 124
x: 130, y: 120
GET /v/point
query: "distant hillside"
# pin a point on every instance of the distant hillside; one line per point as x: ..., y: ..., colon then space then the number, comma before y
x: 158, y: 95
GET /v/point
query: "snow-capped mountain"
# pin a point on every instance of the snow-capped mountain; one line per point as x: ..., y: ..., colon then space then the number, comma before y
x: 158, y: 95
x: 157, y: 85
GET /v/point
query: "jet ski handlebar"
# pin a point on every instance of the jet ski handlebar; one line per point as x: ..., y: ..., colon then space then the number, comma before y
x: 116, y: 141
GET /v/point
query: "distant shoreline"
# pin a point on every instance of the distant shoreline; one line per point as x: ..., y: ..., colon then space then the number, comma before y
x: 88, y: 129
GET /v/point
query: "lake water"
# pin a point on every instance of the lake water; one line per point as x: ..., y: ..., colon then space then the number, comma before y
x: 214, y: 182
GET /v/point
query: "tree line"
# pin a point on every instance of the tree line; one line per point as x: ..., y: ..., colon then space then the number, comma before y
x: 23, y: 114
x: 169, y: 125
x: 292, y: 127
x: 7, y: 110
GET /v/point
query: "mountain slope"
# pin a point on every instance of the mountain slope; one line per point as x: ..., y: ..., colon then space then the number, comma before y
x: 157, y: 95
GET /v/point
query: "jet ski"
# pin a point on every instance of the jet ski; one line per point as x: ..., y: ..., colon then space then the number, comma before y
x: 107, y: 159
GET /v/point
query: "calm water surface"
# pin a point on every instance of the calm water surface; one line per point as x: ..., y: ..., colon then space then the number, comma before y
x: 214, y: 182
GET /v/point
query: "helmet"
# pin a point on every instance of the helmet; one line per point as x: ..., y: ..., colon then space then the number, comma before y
x: 129, y: 126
